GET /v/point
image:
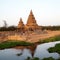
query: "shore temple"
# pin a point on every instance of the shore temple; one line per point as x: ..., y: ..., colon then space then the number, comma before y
x: 31, y: 23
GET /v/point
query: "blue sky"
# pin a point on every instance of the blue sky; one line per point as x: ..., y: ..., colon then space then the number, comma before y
x: 46, y: 12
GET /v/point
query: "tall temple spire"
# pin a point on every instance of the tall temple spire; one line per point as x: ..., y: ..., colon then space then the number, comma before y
x: 31, y: 19
x: 21, y: 24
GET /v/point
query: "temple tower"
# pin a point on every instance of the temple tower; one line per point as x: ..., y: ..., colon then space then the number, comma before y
x: 31, y: 22
x: 21, y: 24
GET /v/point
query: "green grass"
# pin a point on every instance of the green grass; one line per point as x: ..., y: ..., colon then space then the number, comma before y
x: 35, y: 58
x: 10, y: 44
x: 55, y: 49
x: 49, y: 58
x: 58, y: 59
x: 51, y: 39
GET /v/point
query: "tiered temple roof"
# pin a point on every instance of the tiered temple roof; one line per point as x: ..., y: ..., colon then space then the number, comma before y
x: 31, y: 23
x: 21, y: 24
x: 31, y: 20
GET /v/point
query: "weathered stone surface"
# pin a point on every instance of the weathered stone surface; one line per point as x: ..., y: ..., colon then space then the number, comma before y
x: 21, y: 24
x: 31, y: 22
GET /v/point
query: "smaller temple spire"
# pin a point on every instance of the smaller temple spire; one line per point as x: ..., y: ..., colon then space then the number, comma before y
x: 21, y: 24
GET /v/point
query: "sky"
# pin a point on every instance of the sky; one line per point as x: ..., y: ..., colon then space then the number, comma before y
x: 46, y: 12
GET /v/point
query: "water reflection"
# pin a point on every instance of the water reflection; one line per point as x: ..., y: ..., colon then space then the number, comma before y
x: 30, y: 48
x: 21, y: 53
x: 41, y: 50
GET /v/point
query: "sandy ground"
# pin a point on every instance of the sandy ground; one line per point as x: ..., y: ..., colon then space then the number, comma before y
x: 32, y: 37
x: 37, y: 37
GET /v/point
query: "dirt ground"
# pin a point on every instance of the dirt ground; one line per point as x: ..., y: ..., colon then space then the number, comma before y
x: 37, y: 37
x: 31, y: 37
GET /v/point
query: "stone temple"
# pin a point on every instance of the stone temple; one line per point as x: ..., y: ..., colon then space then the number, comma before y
x: 31, y: 23
x: 21, y: 24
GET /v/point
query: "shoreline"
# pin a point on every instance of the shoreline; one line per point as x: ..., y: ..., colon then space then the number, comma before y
x: 32, y: 40
x: 23, y: 44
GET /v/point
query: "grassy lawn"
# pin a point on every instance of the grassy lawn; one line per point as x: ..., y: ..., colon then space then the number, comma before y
x: 55, y: 49
x: 51, y: 39
x: 10, y: 44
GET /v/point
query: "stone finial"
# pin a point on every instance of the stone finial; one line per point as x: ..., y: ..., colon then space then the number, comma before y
x: 31, y: 13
